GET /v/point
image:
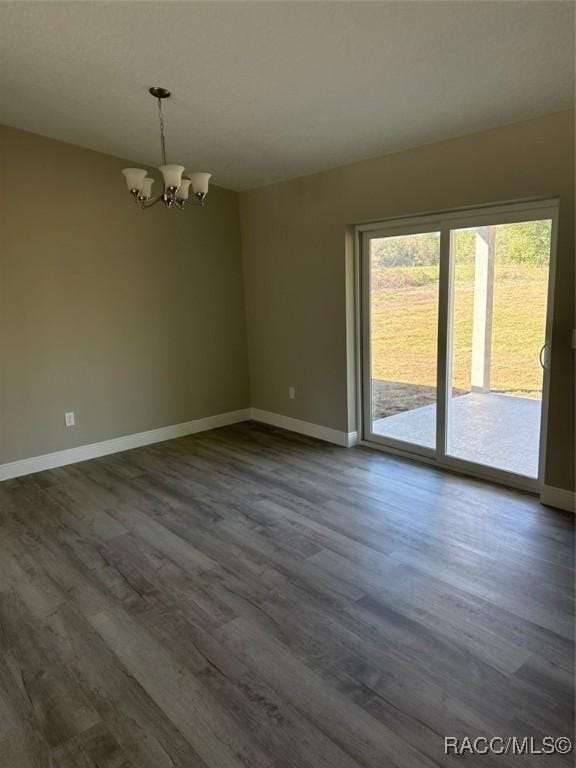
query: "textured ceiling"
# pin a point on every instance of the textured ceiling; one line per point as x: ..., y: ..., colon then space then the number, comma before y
x: 266, y: 91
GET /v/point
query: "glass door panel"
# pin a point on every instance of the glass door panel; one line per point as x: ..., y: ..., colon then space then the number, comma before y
x: 403, y: 276
x: 498, y: 303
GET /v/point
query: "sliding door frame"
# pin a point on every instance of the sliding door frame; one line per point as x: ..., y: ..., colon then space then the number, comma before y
x: 366, y: 235
x: 445, y: 222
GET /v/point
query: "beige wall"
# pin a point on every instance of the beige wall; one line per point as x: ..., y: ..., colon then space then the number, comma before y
x: 295, y: 262
x: 132, y: 319
x: 135, y: 320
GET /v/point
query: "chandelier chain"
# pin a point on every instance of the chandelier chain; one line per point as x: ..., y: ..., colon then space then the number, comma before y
x: 162, y: 137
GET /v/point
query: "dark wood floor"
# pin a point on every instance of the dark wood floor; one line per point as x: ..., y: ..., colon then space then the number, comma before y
x: 247, y: 598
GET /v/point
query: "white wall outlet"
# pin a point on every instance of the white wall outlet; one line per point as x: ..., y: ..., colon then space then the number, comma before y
x: 292, y: 393
x: 70, y: 419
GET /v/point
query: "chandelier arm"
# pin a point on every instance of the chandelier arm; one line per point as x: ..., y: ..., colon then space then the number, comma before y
x: 151, y: 202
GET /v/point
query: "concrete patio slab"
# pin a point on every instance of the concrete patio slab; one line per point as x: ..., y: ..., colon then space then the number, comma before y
x: 500, y: 431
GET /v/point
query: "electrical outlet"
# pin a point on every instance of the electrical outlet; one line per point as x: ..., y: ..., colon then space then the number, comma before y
x: 292, y: 393
x: 70, y: 419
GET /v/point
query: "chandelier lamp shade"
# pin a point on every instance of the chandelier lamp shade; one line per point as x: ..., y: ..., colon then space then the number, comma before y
x: 176, y: 185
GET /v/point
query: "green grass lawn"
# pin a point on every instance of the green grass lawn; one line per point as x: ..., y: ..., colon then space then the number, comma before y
x: 404, y: 326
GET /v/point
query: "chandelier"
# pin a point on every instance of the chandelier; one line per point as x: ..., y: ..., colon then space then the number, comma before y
x: 176, y: 186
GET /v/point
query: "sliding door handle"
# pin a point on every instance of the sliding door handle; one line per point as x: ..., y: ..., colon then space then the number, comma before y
x: 544, y: 362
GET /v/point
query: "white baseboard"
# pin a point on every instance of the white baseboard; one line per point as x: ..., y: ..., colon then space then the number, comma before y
x: 353, y: 439
x: 117, y: 444
x: 550, y: 496
x: 559, y: 498
x: 346, y: 439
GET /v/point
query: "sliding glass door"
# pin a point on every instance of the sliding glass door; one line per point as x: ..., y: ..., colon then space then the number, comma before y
x: 454, y: 337
x: 403, y: 271
x: 498, y: 295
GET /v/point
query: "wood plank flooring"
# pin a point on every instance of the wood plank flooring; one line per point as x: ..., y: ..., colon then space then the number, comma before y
x: 250, y: 598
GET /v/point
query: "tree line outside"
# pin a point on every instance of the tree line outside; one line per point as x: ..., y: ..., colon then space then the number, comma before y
x: 525, y: 242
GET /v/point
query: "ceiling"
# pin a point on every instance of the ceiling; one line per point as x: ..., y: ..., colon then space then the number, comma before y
x: 266, y: 91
